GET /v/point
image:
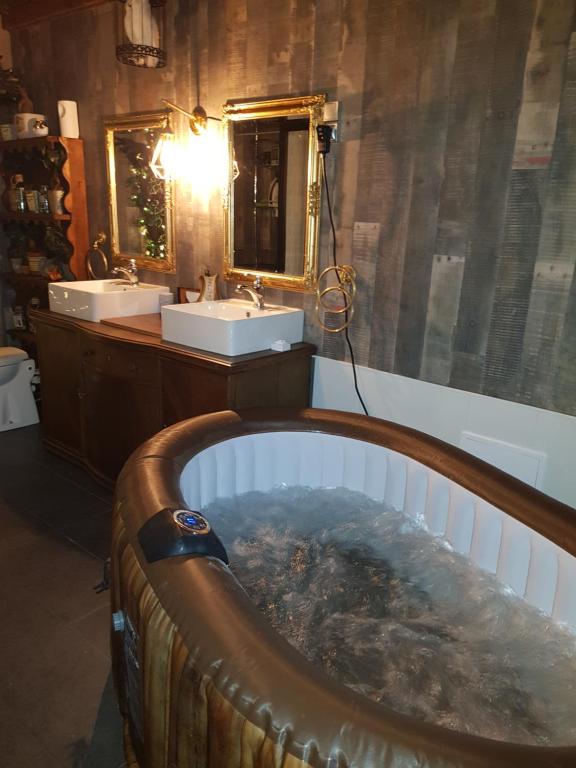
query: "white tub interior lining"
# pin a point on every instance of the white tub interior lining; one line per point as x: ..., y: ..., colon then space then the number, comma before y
x: 527, y: 562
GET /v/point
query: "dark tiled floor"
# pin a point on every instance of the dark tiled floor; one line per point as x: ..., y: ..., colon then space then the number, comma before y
x: 57, y: 707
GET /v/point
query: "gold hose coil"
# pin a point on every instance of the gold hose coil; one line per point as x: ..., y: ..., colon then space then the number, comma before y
x: 346, y: 276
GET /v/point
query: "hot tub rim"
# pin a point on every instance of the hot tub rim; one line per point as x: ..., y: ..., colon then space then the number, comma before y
x: 546, y: 515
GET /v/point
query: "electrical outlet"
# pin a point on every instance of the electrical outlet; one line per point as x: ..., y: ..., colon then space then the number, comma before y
x: 331, y: 118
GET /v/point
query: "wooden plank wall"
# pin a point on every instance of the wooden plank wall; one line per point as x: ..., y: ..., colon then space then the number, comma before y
x: 453, y: 182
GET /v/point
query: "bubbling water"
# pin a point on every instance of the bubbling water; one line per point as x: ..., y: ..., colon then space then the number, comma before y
x: 392, y: 612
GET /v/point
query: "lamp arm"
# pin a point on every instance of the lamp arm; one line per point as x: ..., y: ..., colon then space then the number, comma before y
x: 178, y: 109
x: 189, y: 115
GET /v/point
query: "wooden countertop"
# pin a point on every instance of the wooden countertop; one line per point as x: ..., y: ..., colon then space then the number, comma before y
x: 144, y: 330
x: 149, y: 325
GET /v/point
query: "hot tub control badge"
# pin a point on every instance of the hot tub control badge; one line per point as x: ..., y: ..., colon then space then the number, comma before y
x: 191, y: 522
x: 179, y: 533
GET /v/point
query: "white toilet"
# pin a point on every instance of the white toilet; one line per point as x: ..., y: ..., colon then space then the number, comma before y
x: 17, y: 406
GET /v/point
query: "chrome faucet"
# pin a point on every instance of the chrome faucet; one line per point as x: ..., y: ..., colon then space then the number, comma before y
x: 254, y: 291
x: 129, y: 272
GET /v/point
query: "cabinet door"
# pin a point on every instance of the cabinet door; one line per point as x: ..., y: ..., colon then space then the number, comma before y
x: 285, y: 384
x: 190, y: 390
x: 59, y: 360
x: 120, y: 408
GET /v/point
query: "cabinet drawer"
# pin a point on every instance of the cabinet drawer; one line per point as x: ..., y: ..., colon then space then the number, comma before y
x: 120, y: 361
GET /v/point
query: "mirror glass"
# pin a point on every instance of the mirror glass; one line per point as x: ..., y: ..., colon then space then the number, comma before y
x: 274, y: 191
x: 140, y: 205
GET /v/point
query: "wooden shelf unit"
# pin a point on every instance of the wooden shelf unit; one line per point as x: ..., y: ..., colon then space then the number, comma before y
x: 29, y: 216
x: 39, y: 158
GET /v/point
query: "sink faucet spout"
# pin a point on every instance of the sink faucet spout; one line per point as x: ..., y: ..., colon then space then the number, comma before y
x: 130, y: 272
x: 254, y: 291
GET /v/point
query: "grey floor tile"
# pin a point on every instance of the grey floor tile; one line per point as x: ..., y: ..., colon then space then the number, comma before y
x: 23, y: 451
x: 22, y: 749
x: 106, y: 745
x: 54, y: 635
x: 94, y: 628
x: 92, y: 533
x: 39, y: 490
x: 77, y: 475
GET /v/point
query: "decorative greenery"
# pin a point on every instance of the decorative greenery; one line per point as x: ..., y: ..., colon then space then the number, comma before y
x: 146, y: 192
x: 57, y: 245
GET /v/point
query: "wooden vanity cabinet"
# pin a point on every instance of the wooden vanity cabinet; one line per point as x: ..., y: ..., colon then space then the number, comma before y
x: 58, y: 357
x: 106, y: 390
x: 120, y: 402
x: 272, y: 380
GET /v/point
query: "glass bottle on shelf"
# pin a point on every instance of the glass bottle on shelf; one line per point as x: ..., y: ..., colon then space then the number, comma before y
x: 55, y: 196
x: 32, y: 200
x: 16, y: 194
x: 43, y: 203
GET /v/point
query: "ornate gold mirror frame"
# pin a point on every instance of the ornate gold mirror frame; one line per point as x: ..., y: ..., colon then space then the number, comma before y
x: 310, y: 109
x: 155, y: 221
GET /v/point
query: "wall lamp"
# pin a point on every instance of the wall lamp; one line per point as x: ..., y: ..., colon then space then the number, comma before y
x: 197, y: 119
x: 165, y: 163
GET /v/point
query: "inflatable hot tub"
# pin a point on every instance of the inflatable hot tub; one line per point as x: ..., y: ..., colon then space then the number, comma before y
x: 205, y: 681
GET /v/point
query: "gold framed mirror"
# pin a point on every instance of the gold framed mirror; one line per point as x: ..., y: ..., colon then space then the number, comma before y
x: 272, y: 206
x: 140, y: 205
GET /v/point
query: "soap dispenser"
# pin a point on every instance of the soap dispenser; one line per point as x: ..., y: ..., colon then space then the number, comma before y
x: 208, y: 287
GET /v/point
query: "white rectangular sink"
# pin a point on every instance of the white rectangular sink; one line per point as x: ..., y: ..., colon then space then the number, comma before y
x: 96, y: 299
x: 231, y: 327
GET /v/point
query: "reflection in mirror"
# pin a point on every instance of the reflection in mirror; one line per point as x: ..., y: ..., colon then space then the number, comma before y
x: 273, y: 191
x: 272, y: 157
x: 140, y: 204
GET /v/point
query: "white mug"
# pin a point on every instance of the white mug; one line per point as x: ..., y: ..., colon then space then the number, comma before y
x: 40, y: 128
x: 68, y: 114
x: 26, y: 123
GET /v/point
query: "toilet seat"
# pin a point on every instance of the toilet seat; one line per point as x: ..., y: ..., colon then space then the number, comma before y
x: 17, y: 405
x: 12, y: 355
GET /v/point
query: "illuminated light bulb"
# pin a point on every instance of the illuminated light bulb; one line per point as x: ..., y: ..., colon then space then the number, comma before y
x: 204, y: 165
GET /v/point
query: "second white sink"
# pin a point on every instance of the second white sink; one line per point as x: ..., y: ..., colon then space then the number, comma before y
x: 231, y: 327
x: 97, y: 299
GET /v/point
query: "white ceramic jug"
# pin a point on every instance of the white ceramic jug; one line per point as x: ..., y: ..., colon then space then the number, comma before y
x: 68, y: 114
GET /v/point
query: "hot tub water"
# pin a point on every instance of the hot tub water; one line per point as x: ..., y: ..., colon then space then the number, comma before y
x: 395, y: 614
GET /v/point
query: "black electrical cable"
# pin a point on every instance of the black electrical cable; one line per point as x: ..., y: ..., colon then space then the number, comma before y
x: 335, y: 262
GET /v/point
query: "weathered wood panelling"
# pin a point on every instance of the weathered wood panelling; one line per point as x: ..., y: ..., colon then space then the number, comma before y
x: 550, y: 342
x: 513, y: 22
x: 469, y: 83
x: 453, y: 180
x: 436, y: 65
x: 537, y: 126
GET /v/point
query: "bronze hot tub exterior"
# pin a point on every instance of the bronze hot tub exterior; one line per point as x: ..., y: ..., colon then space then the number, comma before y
x: 205, y: 682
